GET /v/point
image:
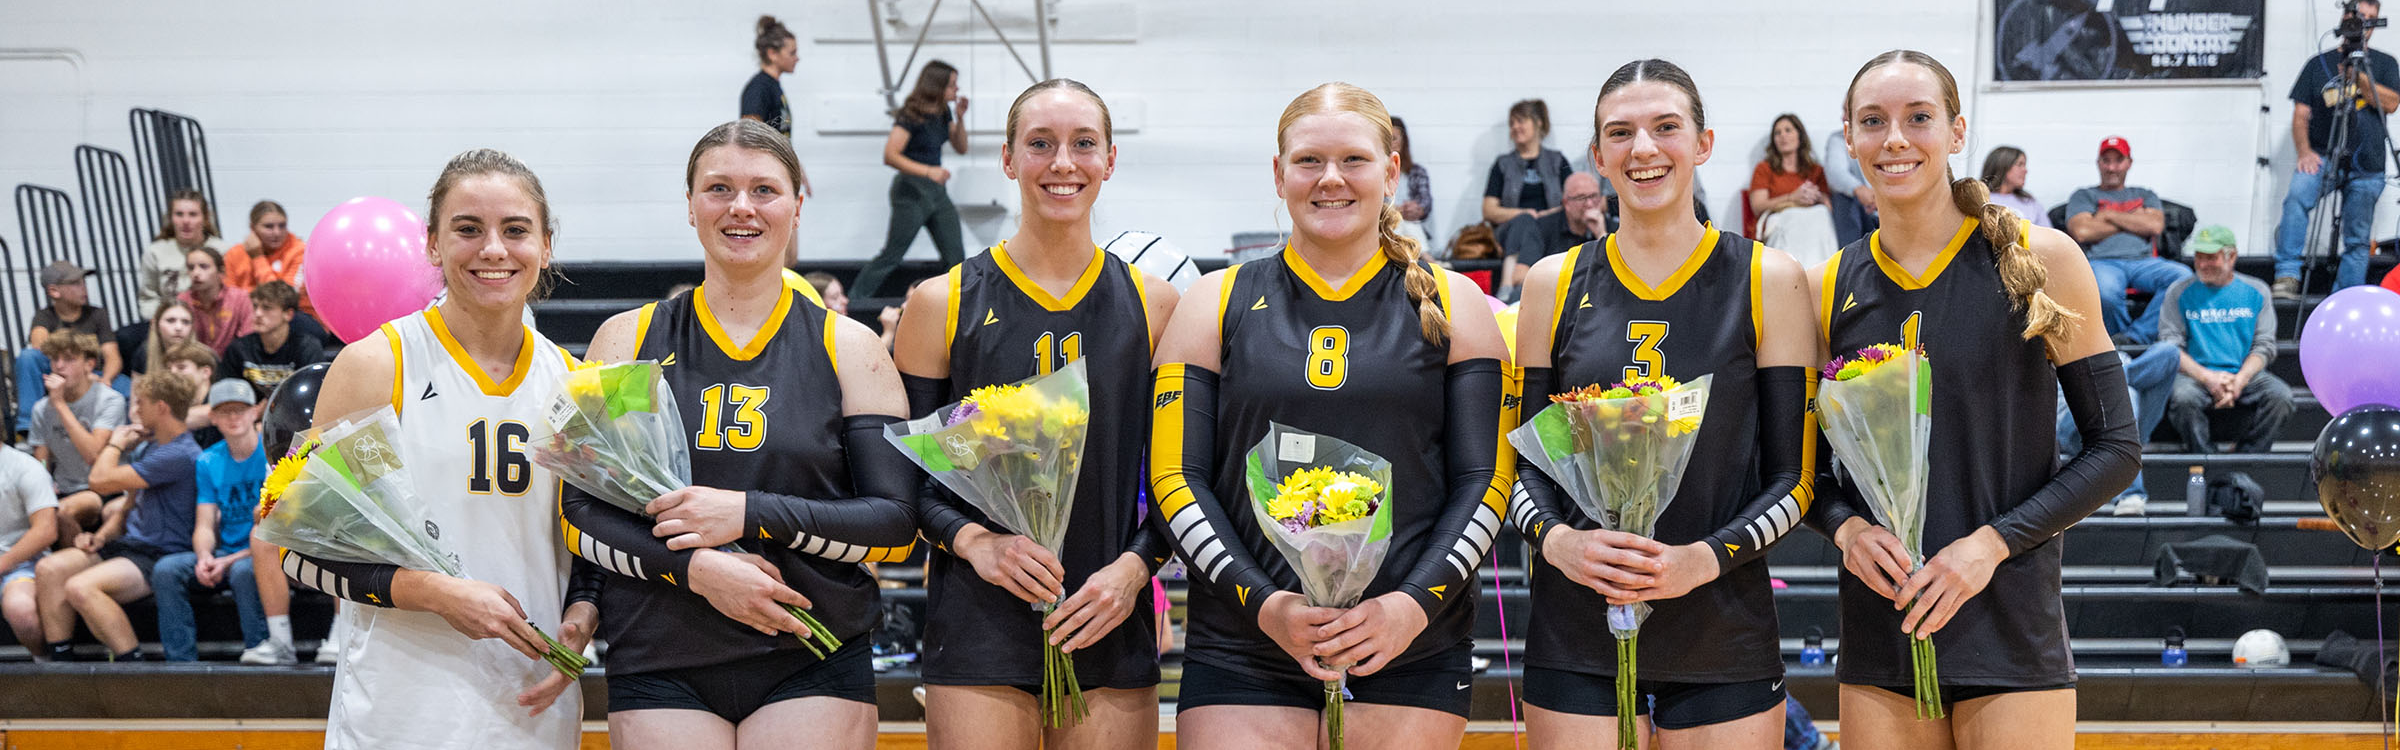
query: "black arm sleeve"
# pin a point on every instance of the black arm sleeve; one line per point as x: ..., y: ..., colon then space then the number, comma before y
x: 1480, y: 407
x: 1535, y: 506
x: 940, y: 514
x: 584, y: 581
x: 1787, y: 436
x: 1151, y: 544
x: 365, y: 583
x: 618, y: 540
x: 879, y: 525
x: 1183, y: 425
x: 2095, y: 391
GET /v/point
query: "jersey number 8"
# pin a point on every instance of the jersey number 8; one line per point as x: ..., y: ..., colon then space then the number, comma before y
x: 1328, y: 357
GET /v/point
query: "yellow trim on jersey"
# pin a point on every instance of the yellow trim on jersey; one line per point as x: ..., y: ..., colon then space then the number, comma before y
x: 1358, y: 279
x: 758, y: 341
x: 954, y: 278
x: 641, y: 325
x: 1891, y: 268
x: 1225, y: 298
x: 833, y: 357
x: 1141, y: 292
x: 458, y: 354
x: 1758, y: 286
x: 1441, y: 289
x: 1166, y: 440
x: 1642, y: 289
x: 1559, y: 303
x: 1083, y: 283
x: 1806, y: 491
x: 1833, y: 268
x: 399, y: 365
x: 793, y: 280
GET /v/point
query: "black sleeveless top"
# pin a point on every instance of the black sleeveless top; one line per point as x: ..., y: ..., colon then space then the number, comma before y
x: 1703, y: 320
x: 1349, y: 363
x: 1003, y: 328
x: 766, y: 416
x: 1994, y: 444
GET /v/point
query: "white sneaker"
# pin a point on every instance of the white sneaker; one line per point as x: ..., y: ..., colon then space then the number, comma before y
x: 2132, y: 505
x: 328, y: 650
x: 270, y: 653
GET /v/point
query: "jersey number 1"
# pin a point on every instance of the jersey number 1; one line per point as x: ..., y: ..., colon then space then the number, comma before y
x: 1052, y: 351
x: 499, y: 450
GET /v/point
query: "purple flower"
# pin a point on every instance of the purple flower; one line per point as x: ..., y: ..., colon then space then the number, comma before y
x: 1294, y: 525
x: 965, y: 411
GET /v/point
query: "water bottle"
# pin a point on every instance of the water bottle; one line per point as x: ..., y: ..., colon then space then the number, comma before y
x: 2174, y: 655
x: 1812, y: 648
x: 2195, y: 492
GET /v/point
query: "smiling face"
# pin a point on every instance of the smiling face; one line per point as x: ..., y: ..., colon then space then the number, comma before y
x: 488, y: 241
x: 742, y: 205
x: 1059, y: 155
x: 1333, y: 175
x: 1648, y: 147
x: 1523, y: 132
x: 1901, y: 131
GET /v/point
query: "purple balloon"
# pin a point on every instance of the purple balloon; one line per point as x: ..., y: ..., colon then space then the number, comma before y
x: 367, y: 266
x: 2348, y: 347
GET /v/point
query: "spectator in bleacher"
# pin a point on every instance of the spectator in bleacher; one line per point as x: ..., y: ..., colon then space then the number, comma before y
x: 2225, y: 324
x: 111, y: 565
x: 71, y: 424
x: 188, y: 226
x: 1789, y: 195
x: 2148, y: 380
x: 2360, y: 168
x: 932, y: 115
x: 228, y: 476
x: 144, y: 342
x: 273, y: 252
x: 1579, y: 222
x: 1854, y: 212
x: 830, y: 290
x: 70, y: 309
x: 28, y: 526
x: 219, y: 313
x: 198, y: 366
x: 2004, y: 175
x: 1526, y: 184
x: 2118, y: 226
x: 273, y: 350
x: 1414, y: 193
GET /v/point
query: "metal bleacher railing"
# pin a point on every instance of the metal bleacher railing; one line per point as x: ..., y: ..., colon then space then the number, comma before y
x: 46, y: 219
x: 172, y: 151
x: 113, y: 220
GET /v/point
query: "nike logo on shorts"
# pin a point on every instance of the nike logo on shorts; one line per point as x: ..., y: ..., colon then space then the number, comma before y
x: 1465, y: 685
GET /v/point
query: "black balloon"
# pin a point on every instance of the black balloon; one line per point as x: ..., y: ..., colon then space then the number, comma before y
x: 291, y: 408
x: 2356, y: 468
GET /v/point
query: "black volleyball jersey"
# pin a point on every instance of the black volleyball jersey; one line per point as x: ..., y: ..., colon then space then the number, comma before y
x: 1349, y: 363
x: 1002, y: 328
x: 1702, y: 320
x: 1994, y: 444
x: 762, y: 416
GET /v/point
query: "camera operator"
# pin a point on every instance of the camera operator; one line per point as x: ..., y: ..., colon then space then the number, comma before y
x: 2338, y: 152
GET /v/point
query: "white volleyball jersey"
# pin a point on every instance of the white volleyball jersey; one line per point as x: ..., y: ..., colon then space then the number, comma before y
x: 406, y: 679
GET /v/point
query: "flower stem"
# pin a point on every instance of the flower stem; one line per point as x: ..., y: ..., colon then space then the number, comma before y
x: 1628, y: 650
x: 1062, y: 693
x: 1333, y: 714
x: 819, y: 641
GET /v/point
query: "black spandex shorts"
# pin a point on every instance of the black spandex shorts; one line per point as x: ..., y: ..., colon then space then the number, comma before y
x: 1443, y: 682
x: 143, y: 558
x: 734, y: 691
x: 1956, y: 694
x: 1678, y: 705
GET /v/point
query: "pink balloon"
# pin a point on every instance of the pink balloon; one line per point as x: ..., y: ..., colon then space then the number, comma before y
x: 367, y: 266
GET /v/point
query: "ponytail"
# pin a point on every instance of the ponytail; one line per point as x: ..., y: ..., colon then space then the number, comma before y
x: 1424, y: 288
x: 2021, y: 274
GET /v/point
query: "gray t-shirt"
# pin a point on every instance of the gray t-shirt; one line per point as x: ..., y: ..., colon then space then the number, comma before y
x: 24, y: 489
x: 2122, y: 245
x: 100, y: 410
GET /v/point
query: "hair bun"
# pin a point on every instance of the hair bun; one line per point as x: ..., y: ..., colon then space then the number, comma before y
x: 768, y: 23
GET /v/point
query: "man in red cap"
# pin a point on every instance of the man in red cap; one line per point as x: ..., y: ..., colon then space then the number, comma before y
x: 2118, y: 226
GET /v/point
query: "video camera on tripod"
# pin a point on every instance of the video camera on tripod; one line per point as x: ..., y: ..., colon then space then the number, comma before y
x: 2353, y: 29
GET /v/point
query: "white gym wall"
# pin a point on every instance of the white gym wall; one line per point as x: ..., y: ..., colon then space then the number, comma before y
x: 313, y: 103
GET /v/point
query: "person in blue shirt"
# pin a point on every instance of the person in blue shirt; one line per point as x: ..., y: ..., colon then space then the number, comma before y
x: 2322, y: 95
x: 2225, y: 324
x: 110, y: 566
x: 229, y: 475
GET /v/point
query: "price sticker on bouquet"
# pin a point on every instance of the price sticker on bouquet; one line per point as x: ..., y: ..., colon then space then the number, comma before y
x: 1687, y: 403
x: 562, y: 409
x: 1296, y: 447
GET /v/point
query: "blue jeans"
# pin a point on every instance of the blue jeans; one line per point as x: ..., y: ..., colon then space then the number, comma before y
x: 2151, y: 275
x: 2149, y: 379
x: 32, y: 364
x: 175, y: 580
x: 2358, y: 220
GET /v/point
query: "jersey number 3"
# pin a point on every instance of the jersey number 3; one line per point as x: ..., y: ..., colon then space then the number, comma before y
x: 1645, y: 335
x: 748, y: 428
x: 500, y: 458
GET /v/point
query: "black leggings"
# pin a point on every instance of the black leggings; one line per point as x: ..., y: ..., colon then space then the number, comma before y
x: 917, y: 203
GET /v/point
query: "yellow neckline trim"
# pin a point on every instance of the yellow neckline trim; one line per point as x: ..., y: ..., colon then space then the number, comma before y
x: 458, y: 355
x: 1316, y: 283
x: 1083, y: 284
x: 1691, y: 264
x: 1891, y: 268
x: 758, y: 341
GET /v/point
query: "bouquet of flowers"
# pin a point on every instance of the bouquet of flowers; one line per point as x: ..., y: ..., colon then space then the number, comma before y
x: 345, y: 496
x: 615, y: 433
x: 1330, y: 516
x: 1619, y: 451
x: 1014, y: 452
x: 1877, y: 409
